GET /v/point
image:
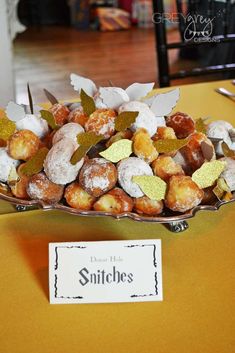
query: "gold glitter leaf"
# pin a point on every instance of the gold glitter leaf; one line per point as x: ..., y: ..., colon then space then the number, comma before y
x: 87, y: 103
x: 89, y: 138
x: 35, y: 164
x: 49, y: 117
x: 79, y: 154
x: 221, y: 189
x: 118, y: 150
x: 226, y: 150
x: 7, y: 128
x: 209, y: 172
x: 152, y: 186
x: 124, y: 120
x: 200, y: 126
x: 169, y: 145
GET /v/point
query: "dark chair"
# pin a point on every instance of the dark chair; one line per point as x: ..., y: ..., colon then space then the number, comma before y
x: 214, y: 42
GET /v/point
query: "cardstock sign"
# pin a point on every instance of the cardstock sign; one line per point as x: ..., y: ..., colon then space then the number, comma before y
x: 105, y: 272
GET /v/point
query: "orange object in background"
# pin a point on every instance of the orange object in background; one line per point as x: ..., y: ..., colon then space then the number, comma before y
x: 112, y: 19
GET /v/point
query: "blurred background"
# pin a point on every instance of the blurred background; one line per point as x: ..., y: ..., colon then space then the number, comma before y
x: 122, y: 41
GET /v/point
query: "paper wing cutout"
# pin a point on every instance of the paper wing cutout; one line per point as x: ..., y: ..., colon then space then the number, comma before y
x: 79, y: 82
x: 15, y: 112
x: 163, y: 103
x: 139, y: 90
x: 113, y: 97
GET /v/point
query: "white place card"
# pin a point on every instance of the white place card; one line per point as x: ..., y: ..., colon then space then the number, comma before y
x: 105, y: 271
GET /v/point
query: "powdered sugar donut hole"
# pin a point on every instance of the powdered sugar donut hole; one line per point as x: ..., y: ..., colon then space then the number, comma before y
x: 70, y: 130
x: 57, y: 164
x: 129, y: 167
x: 98, y: 176
x: 6, y: 164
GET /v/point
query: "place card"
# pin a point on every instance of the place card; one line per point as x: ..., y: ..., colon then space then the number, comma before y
x: 105, y: 271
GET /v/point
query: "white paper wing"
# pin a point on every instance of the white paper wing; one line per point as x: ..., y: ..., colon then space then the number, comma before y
x: 113, y: 97
x: 137, y: 91
x: 164, y: 103
x: 15, y: 112
x: 79, y: 82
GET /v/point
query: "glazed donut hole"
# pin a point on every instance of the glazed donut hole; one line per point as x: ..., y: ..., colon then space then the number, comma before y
x: 60, y: 113
x: 193, y: 150
x: 78, y: 116
x: 19, y: 188
x: 98, y: 176
x: 23, y: 145
x: 143, y: 146
x: 41, y: 188
x: 164, y: 133
x: 183, y: 194
x: 115, y: 201
x: 165, y: 167
x: 102, y: 122
x: 182, y: 124
x: 78, y: 198
x: 145, y: 206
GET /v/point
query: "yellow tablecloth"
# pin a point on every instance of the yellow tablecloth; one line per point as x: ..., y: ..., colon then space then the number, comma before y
x: 197, y: 314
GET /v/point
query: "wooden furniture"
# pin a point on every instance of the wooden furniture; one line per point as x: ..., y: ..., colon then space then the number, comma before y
x: 209, y: 12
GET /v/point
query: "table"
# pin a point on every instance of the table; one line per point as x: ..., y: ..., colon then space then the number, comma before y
x: 198, y: 312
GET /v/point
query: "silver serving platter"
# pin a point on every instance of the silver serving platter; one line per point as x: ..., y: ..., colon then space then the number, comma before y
x: 175, y: 223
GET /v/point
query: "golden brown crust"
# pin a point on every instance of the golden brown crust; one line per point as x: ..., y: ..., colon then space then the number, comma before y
x: 165, y: 167
x: 98, y: 176
x: 78, y: 116
x: 60, y: 113
x: 115, y: 201
x: 144, y: 205
x: 183, y: 194
x: 164, y: 133
x: 19, y: 188
x: 78, y: 198
x: 143, y: 146
x: 41, y: 188
x: 182, y: 124
x: 23, y: 145
x: 193, y: 151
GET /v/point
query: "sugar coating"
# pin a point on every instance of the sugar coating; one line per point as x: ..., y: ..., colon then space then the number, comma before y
x: 57, y: 164
x: 229, y: 172
x: 33, y: 123
x: 92, y: 179
x: 6, y: 164
x: 146, y: 118
x: 220, y: 129
x: 128, y: 168
x: 70, y: 130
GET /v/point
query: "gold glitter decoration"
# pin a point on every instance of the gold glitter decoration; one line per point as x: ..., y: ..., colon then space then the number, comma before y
x: 89, y: 138
x: 87, y: 103
x: 35, y: 164
x: 80, y: 152
x: 152, y: 186
x: 49, y: 117
x: 7, y: 128
x: 124, y: 120
x: 169, y: 145
x: 227, y: 151
x: 85, y: 140
x: 209, y: 172
x: 221, y: 190
x: 200, y: 126
x: 118, y: 151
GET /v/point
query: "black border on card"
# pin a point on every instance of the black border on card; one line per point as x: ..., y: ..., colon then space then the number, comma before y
x: 84, y: 247
x: 155, y: 274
